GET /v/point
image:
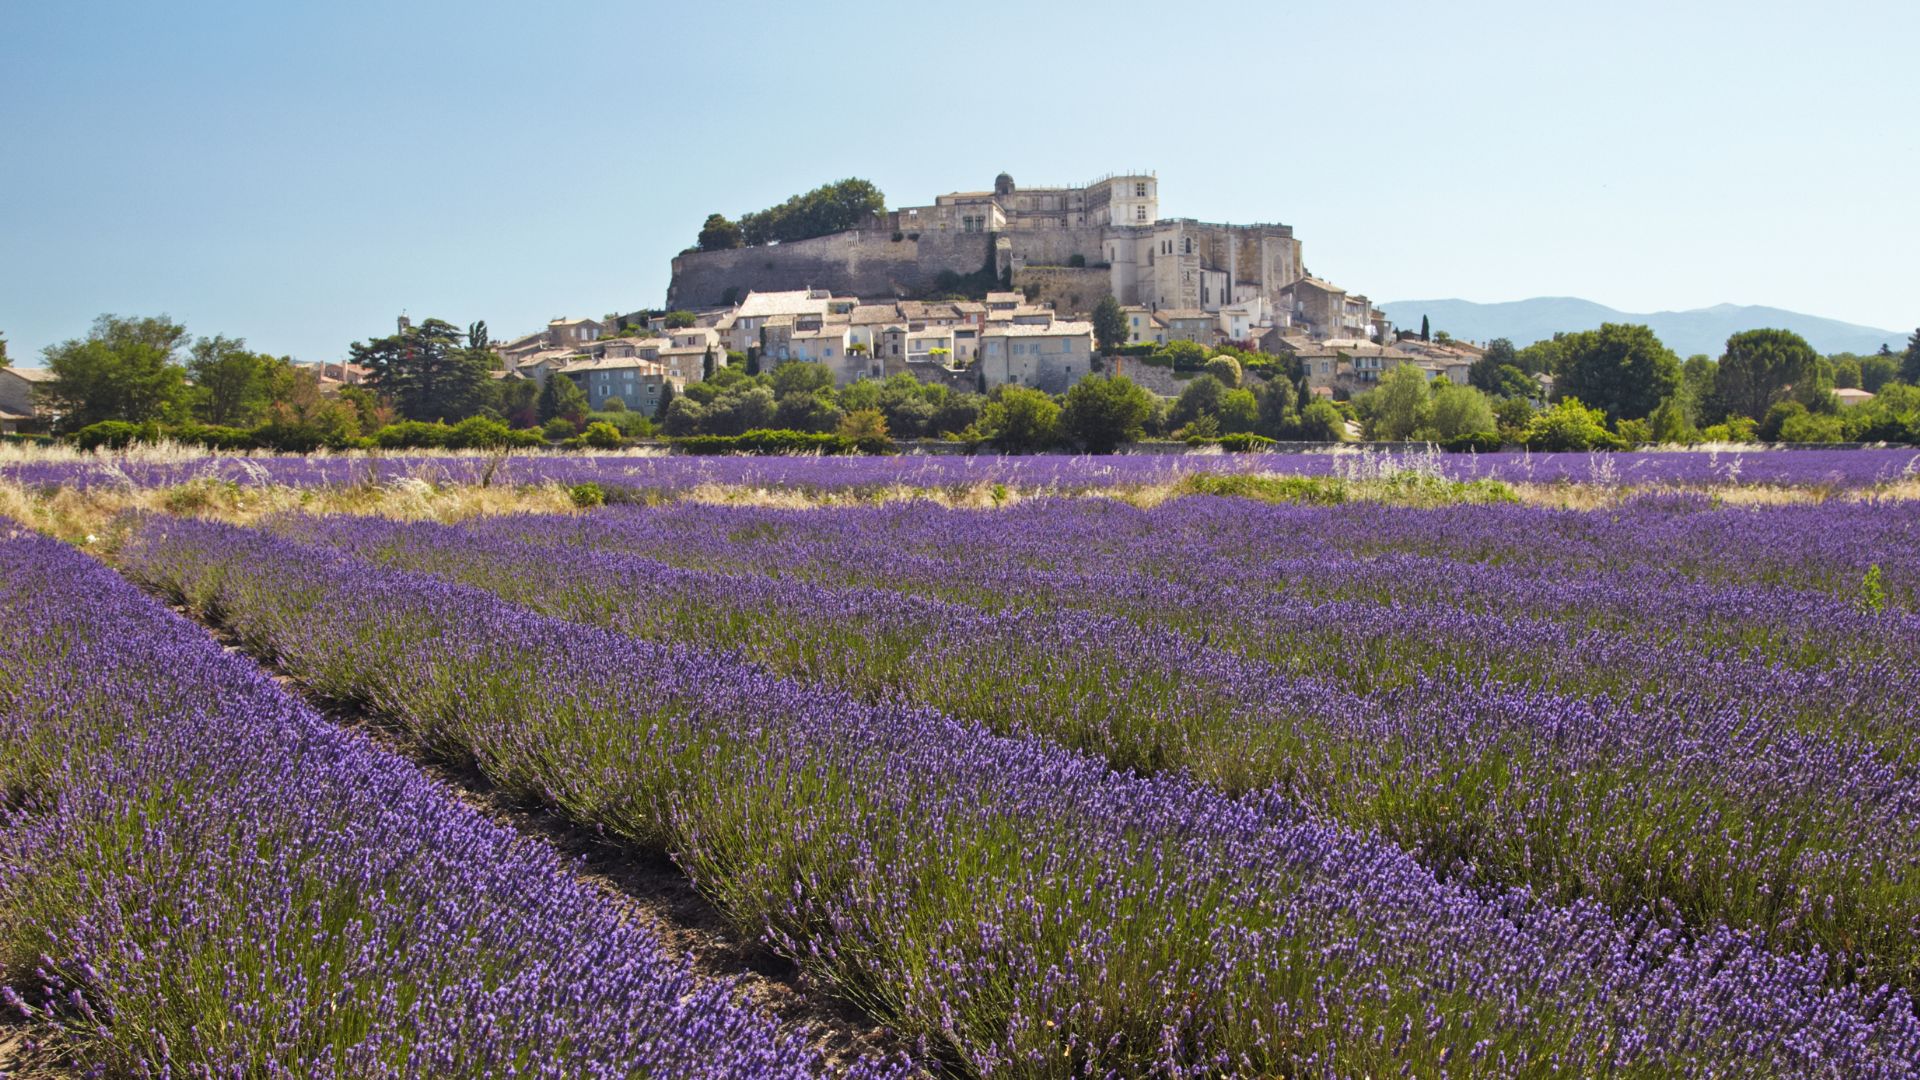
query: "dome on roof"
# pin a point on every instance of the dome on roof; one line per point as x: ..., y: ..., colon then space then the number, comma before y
x: 1003, y: 184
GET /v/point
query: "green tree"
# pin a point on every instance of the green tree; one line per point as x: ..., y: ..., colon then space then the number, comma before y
x: 1399, y: 406
x: 680, y: 320
x: 666, y: 400
x: 1239, y: 412
x: 719, y: 233
x: 232, y: 386
x: 707, y: 364
x: 830, y: 208
x: 123, y: 369
x: 1425, y: 329
x: 427, y: 371
x: 1569, y: 425
x: 1320, y: 421
x: 1454, y: 411
x: 866, y: 429
x: 1878, y: 371
x: 1910, y: 365
x: 1669, y: 425
x: 801, y: 411
x: 1758, y: 370
x: 1279, y: 410
x: 1226, y: 369
x: 3, y: 351
x: 1484, y: 374
x: 1021, y: 420
x: 1846, y: 371
x: 1102, y: 414
x: 1202, y: 397
x: 561, y: 397
x: 1109, y: 324
x: 1544, y: 357
x: 517, y: 400
x: 1620, y: 369
x: 797, y: 377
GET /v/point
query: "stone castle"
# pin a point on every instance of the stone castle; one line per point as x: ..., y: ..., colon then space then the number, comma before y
x: 1064, y: 246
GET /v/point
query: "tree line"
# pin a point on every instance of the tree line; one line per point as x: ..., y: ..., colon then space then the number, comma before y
x: 827, y: 209
x: 433, y: 384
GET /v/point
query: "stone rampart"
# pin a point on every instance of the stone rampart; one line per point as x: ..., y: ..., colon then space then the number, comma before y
x: 862, y: 262
x: 1072, y: 290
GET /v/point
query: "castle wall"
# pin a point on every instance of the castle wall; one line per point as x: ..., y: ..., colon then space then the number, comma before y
x: 1071, y: 290
x: 1055, y: 247
x: 856, y: 263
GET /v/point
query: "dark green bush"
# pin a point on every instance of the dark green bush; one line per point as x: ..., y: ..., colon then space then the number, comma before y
x: 767, y: 441
x: 1473, y: 442
x: 114, y: 435
x: 587, y: 495
x: 1242, y: 442
x: 479, y: 433
x: 601, y: 435
x: 412, y: 435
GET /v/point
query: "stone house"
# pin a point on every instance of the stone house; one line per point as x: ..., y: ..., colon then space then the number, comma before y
x: 1051, y: 358
x: 754, y: 313
x: 1187, y: 325
x: 1326, y: 311
x: 636, y: 382
x: 20, y: 409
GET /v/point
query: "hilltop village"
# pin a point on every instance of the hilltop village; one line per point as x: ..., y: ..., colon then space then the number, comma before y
x: 888, y: 297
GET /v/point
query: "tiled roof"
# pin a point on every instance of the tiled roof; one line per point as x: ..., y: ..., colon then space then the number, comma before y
x: 31, y: 374
x: 798, y: 302
x: 622, y: 363
x: 1059, y: 329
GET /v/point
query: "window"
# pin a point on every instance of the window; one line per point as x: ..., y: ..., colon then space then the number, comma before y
x: 1140, y: 190
x: 829, y: 352
x: 1139, y: 213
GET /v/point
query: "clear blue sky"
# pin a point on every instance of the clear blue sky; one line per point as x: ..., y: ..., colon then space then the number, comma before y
x: 298, y: 173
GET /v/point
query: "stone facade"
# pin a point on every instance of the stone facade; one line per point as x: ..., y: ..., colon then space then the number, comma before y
x: 1110, y: 227
x: 1050, y: 358
x: 19, y: 411
x: 1067, y: 289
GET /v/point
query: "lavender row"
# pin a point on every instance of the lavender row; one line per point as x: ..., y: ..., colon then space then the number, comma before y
x: 1028, y: 908
x: 1826, y: 549
x: 1837, y: 469
x: 1769, y: 808
x: 199, y: 875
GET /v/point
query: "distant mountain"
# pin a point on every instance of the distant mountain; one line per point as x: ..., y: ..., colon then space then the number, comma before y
x: 1704, y: 330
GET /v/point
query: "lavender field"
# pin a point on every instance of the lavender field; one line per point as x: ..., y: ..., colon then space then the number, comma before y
x: 1208, y: 786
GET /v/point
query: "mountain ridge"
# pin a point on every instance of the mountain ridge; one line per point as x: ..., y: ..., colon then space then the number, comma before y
x: 1696, y: 330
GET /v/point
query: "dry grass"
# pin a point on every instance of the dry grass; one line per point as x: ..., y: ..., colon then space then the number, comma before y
x: 88, y: 516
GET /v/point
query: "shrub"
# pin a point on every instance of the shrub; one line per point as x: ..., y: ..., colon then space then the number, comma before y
x: 478, y: 433
x: 559, y: 428
x: 601, y: 435
x: 767, y: 441
x: 111, y: 435
x: 1473, y: 442
x: 587, y: 495
x: 1569, y: 425
x: 411, y: 435
x: 1244, y: 441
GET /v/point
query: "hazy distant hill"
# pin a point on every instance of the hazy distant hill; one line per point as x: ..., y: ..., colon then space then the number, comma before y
x: 1685, y: 332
